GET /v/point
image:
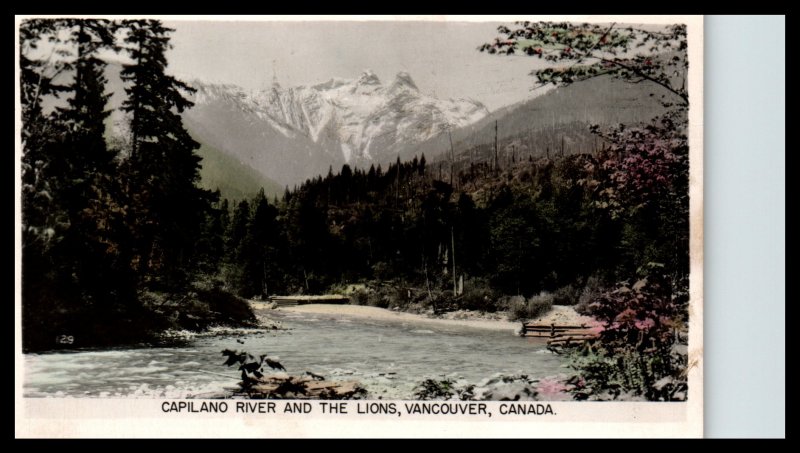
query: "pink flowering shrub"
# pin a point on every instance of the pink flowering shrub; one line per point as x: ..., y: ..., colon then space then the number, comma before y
x: 635, y: 354
x: 641, y: 167
x: 639, y: 183
x: 553, y: 389
x: 642, y: 180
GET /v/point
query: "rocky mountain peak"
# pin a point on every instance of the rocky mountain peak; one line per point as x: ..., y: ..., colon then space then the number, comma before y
x: 368, y: 78
x: 403, y: 79
x: 358, y: 121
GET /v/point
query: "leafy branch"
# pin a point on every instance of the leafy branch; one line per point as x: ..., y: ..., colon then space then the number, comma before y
x: 632, y: 54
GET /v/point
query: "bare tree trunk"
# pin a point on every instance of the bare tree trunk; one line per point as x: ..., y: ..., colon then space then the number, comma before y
x: 397, y: 186
x: 452, y: 157
x: 427, y: 280
x: 496, y: 166
x: 265, y: 287
x: 453, y: 252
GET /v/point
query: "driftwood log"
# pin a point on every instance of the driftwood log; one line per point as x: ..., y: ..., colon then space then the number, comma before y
x: 560, y: 336
x: 302, y: 387
x: 284, y: 386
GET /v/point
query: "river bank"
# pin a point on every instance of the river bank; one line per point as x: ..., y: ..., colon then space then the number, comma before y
x: 498, y: 321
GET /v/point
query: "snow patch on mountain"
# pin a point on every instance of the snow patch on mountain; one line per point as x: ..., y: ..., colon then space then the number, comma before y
x: 365, y: 118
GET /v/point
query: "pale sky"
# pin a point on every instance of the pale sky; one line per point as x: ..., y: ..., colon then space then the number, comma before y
x: 442, y: 57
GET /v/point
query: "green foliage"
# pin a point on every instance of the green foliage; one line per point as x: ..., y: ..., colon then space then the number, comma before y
x: 541, y: 234
x: 202, y: 305
x: 359, y: 297
x: 253, y: 369
x: 431, y: 389
x: 162, y: 169
x: 378, y: 299
x: 637, y: 192
x: 516, y: 242
x: 629, y: 375
x: 478, y: 295
x: 231, y: 310
x: 403, y: 227
x: 636, y: 354
x: 534, y: 307
x: 590, y: 50
x: 567, y: 295
x: 103, y: 228
x: 233, y: 179
x: 382, y: 296
x: 75, y: 263
x: 591, y: 290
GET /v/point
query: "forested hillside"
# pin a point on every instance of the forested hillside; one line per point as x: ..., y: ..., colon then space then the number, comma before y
x: 233, y: 179
x: 536, y: 225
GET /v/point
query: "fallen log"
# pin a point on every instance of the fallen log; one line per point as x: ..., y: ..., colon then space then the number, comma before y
x: 584, y: 336
x: 309, y: 299
x: 554, y: 326
x: 553, y: 330
x: 575, y: 334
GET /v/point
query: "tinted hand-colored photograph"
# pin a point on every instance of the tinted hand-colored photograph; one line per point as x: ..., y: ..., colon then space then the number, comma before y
x: 355, y: 210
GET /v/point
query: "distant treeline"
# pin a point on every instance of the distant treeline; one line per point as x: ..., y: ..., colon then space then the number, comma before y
x: 535, y: 226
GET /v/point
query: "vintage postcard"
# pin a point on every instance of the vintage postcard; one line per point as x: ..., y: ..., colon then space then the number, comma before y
x: 359, y: 226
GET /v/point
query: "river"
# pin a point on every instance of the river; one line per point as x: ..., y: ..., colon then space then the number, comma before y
x: 388, y: 358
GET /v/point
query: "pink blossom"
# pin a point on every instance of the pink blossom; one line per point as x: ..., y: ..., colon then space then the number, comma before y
x: 626, y: 315
x: 644, y: 324
x: 596, y: 327
x: 552, y: 389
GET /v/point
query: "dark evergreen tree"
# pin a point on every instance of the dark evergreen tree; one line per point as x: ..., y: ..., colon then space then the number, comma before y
x: 514, y: 243
x: 211, y: 244
x: 257, y: 252
x: 72, y: 260
x: 163, y: 169
x: 42, y: 218
x: 91, y: 246
x: 472, y: 237
x: 232, y: 272
x: 85, y: 115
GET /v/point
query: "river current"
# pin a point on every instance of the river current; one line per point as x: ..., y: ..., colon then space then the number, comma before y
x: 389, y: 358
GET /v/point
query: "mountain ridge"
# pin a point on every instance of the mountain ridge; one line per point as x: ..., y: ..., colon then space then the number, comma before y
x: 558, y: 118
x: 357, y: 121
x: 291, y: 134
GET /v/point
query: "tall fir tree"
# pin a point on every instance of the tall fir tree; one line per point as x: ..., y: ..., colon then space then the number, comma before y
x: 163, y: 168
x: 85, y: 114
x: 210, y: 249
x: 39, y: 137
x: 42, y: 218
x: 71, y: 259
x: 257, y: 252
x: 91, y: 243
x: 236, y: 233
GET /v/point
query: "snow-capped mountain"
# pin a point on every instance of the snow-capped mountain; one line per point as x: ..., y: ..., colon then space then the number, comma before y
x: 294, y: 133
